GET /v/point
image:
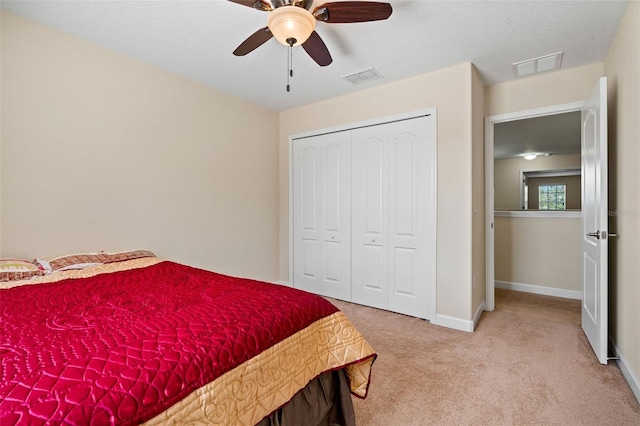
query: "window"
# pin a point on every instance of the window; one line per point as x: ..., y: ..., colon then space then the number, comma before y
x: 552, y: 197
x: 534, y: 183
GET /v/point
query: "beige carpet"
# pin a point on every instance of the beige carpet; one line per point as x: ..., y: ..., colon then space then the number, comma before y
x: 527, y: 363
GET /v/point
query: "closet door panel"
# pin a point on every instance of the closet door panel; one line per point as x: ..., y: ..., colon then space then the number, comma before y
x: 404, y: 267
x: 370, y: 268
x: 333, y: 262
x: 371, y: 179
x: 411, y: 209
x: 309, y: 189
x: 309, y: 259
x: 374, y: 260
x: 335, y: 216
x: 404, y: 185
x: 322, y: 215
x: 306, y: 216
x: 333, y: 191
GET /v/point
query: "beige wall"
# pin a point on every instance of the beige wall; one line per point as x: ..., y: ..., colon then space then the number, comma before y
x: 622, y: 68
x: 448, y: 90
x: 554, y: 88
x: 102, y: 152
x: 573, y: 188
x: 538, y: 251
x: 507, y: 176
x: 478, y: 204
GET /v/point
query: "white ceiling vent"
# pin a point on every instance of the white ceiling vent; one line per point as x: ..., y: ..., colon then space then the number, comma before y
x: 363, y: 76
x: 537, y: 65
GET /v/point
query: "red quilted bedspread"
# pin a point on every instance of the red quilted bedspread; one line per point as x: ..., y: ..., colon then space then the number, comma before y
x: 123, y: 347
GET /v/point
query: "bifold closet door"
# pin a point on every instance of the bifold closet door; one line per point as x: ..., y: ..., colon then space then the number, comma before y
x: 322, y: 214
x: 393, y: 211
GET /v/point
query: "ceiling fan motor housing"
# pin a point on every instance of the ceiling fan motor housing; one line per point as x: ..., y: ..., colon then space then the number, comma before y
x: 305, y: 4
x: 291, y: 25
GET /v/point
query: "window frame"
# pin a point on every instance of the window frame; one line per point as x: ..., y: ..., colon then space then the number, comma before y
x: 552, y: 188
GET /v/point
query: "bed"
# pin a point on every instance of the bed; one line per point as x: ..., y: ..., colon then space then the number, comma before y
x: 147, y: 341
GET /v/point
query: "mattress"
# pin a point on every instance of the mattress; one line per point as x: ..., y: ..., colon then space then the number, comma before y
x: 156, y: 342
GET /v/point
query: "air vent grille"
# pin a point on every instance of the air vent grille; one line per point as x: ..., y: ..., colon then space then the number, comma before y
x: 537, y: 65
x: 364, y: 76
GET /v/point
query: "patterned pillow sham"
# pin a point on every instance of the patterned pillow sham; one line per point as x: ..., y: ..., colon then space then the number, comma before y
x: 83, y: 260
x: 18, y: 269
x: 121, y: 256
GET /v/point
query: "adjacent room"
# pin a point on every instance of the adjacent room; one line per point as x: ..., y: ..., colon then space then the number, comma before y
x: 445, y: 194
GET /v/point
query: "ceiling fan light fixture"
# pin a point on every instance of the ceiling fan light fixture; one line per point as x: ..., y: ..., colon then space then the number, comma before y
x: 291, y: 25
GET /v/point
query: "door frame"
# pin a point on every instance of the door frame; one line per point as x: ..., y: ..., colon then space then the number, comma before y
x: 489, y: 123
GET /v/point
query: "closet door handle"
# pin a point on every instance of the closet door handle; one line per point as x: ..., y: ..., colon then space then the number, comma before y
x: 373, y: 240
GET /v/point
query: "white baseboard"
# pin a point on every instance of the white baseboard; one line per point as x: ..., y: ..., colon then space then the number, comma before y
x: 457, y: 323
x: 629, y: 375
x: 284, y: 283
x: 537, y: 289
x: 452, y: 322
x: 478, y: 314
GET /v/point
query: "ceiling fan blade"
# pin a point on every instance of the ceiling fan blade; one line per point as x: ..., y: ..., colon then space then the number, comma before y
x: 352, y: 11
x: 254, y: 4
x: 254, y: 41
x: 318, y: 51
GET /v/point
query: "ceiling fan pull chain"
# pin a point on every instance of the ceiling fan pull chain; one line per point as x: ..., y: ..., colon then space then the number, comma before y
x: 289, y: 66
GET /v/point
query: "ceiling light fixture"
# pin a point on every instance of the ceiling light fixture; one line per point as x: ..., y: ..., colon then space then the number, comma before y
x: 291, y: 25
x: 530, y: 156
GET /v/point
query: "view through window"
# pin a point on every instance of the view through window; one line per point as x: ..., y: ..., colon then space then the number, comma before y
x: 552, y: 197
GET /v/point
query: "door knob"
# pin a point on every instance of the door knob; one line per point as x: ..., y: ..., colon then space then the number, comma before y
x: 594, y: 234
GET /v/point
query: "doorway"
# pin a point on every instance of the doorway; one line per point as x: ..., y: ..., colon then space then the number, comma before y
x: 490, y: 195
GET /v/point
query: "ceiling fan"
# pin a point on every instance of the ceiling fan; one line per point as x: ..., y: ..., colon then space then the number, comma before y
x: 292, y: 24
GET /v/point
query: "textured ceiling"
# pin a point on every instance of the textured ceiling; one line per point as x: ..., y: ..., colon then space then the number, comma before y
x: 196, y: 39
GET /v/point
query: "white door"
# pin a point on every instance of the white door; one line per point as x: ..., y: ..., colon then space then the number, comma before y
x: 394, y: 216
x: 595, y: 220
x: 322, y: 214
x: 411, y: 215
x: 370, y: 225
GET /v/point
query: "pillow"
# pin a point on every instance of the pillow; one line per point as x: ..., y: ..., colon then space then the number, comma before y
x: 17, y: 269
x: 84, y: 260
x: 127, y: 255
x: 70, y: 261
